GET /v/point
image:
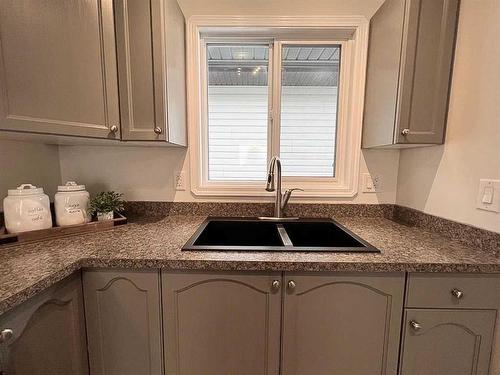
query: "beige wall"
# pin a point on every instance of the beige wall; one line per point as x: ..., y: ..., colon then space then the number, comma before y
x: 143, y: 173
x: 444, y: 180
x: 23, y: 162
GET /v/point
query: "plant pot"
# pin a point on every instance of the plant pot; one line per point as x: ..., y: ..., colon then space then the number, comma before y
x: 102, y: 216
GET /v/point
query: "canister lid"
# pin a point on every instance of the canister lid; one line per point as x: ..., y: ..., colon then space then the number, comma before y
x: 71, y: 186
x: 25, y: 189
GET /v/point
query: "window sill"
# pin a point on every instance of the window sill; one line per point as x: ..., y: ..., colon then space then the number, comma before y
x: 257, y: 190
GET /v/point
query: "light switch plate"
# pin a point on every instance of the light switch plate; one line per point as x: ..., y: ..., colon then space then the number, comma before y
x: 488, y: 196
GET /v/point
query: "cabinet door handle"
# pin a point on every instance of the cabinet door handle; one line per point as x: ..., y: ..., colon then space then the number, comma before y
x: 457, y: 293
x: 158, y: 130
x: 415, y: 325
x: 5, y: 335
x: 405, y: 131
x: 275, y: 285
x: 291, y: 285
x: 113, y: 128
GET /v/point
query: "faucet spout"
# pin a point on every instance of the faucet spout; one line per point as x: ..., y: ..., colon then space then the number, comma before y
x: 270, y: 175
x: 270, y: 182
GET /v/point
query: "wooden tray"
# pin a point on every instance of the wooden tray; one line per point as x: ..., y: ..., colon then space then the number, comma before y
x: 56, y: 232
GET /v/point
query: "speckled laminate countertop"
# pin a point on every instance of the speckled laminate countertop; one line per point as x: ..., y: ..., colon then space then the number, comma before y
x: 27, y: 269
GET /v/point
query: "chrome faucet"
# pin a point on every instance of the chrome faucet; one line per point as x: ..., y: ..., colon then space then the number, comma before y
x: 274, y: 184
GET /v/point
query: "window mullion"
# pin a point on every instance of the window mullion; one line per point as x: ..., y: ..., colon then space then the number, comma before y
x: 276, y: 99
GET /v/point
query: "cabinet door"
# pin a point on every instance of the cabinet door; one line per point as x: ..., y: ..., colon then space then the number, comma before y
x: 438, y: 342
x: 345, y: 324
x: 221, y: 324
x: 427, y: 59
x: 151, y: 66
x: 139, y: 39
x: 58, y: 68
x: 48, y: 333
x: 123, y: 322
x: 382, y: 74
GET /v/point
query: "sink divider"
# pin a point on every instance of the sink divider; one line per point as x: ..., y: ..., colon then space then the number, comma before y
x: 284, y: 235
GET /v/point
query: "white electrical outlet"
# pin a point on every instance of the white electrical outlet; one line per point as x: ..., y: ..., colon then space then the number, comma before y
x: 488, y: 196
x: 377, y: 182
x: 372, y: 184
x: 180, y: 181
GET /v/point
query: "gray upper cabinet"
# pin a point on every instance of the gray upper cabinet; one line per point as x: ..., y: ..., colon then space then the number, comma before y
x: 409, y: 68
x: 123, y: 322
x: 151, y: 53
x: 58, y: 70
x: 46, y: 334
x: 342, y: 324
x: 221, y: 324
x: 93, y: 69
x: 438, y: 342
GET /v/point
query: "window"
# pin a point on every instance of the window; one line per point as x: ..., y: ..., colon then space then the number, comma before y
x: 237, y: 111
x: 308, y: 121
x: 256, y: 92
x: 238, y: 107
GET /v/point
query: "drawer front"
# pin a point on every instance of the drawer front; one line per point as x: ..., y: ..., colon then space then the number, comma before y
x: 460, y: 291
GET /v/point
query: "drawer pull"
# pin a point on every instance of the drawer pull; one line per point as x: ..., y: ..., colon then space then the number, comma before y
x: 457, y: 293
x: 415, y: 325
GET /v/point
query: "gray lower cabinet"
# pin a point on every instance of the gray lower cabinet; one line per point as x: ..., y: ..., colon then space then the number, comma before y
x: 221, y: 324
x: 342, y: 324
x: 58, y: 70
x: 408, y: 79
x: 439, y: 342
x: 123, y: 315
x: 450, y: 323
x: 225, y: 323
x: 47, y: 333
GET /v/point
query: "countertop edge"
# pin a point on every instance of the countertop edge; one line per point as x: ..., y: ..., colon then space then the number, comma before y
x: 25, y: 294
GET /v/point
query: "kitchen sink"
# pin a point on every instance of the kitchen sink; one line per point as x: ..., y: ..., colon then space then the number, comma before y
x: 238, y: 233
x: 249, y: 234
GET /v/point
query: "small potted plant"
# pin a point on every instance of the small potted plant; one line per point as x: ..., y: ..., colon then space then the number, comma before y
x: 105, y: 204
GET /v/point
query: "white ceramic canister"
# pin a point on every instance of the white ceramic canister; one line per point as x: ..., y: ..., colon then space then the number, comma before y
x: 71, y: 204
x: 26, y: 208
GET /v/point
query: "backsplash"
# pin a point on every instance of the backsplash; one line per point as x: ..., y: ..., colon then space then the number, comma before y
x: 155, y: 209
x: 468, y: 235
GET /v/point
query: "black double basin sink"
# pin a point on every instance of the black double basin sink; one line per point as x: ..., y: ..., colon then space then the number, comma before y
x: 248, y: 234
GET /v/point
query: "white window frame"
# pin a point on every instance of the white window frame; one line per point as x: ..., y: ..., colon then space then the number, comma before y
x: 351, y: 32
